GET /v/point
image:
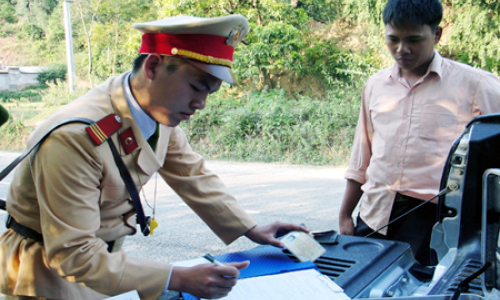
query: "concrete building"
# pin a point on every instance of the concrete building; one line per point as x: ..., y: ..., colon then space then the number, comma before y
x: 14, y: 78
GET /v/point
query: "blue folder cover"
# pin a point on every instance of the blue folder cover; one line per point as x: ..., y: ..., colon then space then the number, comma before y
x: 265, y: 260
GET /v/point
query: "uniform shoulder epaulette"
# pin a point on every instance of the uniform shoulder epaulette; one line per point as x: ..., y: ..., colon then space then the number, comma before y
x: 104, y: 128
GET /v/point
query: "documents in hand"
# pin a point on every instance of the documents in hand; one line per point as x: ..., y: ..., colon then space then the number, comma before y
x: 303, y: 246
x: 298, y: 285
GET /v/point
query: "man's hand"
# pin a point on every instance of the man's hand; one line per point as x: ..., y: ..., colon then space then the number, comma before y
x: 351, y: 199
x: 267, y: 234
x: 346, y: 225
x: 207, y: 281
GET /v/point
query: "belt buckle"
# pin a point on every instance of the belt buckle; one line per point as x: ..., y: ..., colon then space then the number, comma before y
x: 8, y: 221
x: 117, y: 244
x: 401, y: 198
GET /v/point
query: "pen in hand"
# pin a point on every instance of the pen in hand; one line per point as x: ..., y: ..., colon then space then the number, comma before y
x: 212, y: 259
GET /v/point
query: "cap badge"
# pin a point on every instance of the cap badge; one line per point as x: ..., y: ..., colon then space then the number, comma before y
x: 234, y: 36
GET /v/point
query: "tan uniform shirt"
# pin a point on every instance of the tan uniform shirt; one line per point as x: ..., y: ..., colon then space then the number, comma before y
x: 404, y: 133
x: 72, y: 193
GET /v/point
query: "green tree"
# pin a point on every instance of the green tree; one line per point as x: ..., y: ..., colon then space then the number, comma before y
x: 115, y: 42
x: 474, y: 34
x: 88, y: 13
x: 34, y: 15
x: 41, y: 11
x: 291, y: 42
x: 8, y: 11
x: 281, y: 45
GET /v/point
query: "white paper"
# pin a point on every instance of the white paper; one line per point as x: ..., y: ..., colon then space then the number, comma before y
x: 191, y: 262
x: 298, y: 285
x: 132, y: 295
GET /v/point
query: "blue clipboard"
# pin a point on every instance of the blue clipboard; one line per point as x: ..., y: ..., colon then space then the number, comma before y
x: 264, y: 260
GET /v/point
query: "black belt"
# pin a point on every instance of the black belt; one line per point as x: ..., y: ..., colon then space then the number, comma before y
x: 32, y: 234
x: 23, y: 230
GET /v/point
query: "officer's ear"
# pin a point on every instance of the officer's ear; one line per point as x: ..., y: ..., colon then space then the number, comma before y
x: 151, y: 64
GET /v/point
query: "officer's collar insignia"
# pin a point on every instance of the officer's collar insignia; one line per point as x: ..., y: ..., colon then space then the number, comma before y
x: 233, y: 39
x: 104, y: 128
x: 129, y: 142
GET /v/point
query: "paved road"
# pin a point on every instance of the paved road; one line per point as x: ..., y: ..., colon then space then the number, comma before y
x: 269, y: 192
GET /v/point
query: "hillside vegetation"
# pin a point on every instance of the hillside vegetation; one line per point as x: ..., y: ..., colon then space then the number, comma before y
x: 301, y: 68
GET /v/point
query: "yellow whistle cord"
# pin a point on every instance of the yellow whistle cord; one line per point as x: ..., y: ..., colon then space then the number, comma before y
x: 153, y: 223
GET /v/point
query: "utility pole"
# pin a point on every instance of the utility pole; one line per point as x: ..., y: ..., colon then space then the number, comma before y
x: 69, y: 46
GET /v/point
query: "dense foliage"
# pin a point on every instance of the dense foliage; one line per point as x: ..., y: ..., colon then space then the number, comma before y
x: 268, y: 126
x: 301, y: 68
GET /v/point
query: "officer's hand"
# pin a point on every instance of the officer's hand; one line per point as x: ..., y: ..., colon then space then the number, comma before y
x: 207, y: 281
x: 346, y: 225
x: 267, y: 234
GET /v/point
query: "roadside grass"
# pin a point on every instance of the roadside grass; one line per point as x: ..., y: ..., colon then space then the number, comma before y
x: 265, y: 126
x: 26, y: 114
x: 270, y: 126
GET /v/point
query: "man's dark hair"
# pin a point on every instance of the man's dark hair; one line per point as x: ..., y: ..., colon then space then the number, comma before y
x: 413, y: 12
x: 137, y: 65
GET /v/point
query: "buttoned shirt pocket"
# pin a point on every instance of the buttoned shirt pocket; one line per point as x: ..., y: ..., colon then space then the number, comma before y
x: 116, y: 208
x: 439, y: 120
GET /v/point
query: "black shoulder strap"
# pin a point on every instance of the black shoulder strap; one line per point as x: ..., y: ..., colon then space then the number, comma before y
x: 16, y: 161
x: 125, y: 174
x: 134, y: 194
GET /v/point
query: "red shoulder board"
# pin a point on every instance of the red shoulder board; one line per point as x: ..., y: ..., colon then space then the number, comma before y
x: 104, y: 128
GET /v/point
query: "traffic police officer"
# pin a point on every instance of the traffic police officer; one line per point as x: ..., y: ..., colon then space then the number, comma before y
x: 69, y: 205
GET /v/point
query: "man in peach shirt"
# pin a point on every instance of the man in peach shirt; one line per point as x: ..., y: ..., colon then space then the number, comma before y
x: 411, y: 113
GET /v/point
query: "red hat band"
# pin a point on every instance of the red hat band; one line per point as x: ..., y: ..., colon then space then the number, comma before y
x: 211, y: 49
